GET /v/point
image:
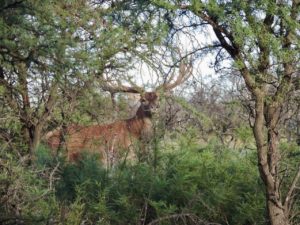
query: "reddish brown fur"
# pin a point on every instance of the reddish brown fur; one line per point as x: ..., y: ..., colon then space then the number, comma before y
x: 110, y: 141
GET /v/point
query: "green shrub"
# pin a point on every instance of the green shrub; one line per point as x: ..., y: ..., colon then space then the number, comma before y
x: 219, y: 185
x: 25, y: 194
x: 189, y: 182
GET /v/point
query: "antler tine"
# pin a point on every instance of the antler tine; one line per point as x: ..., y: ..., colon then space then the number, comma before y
x: 185, y: 71
x: 121, y: 88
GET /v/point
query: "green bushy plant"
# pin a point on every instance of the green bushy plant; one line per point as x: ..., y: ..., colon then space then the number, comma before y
x: 26, y: 195
x: 189, y: 182
x: 214, y: 184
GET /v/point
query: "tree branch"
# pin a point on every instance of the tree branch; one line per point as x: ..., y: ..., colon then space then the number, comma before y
x: 8, y: 96
x: 48, y: 105
x: 288, y: 199
x: 12, y: 5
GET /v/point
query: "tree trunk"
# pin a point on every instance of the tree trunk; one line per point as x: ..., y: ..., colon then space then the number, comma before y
x: 277, y: 215
x: 34, y: 140
x: 267, y: 139
x: 298, y: 133
x: 32, y: 135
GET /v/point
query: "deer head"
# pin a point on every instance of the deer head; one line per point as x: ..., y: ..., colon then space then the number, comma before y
x: 149, y: 103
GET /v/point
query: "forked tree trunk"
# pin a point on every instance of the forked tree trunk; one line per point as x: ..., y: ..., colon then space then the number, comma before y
x: 32, y: 136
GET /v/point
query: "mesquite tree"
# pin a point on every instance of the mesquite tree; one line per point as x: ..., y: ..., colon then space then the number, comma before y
x: 39, y: 54
x: 29, y: 46
x: 261, y: 40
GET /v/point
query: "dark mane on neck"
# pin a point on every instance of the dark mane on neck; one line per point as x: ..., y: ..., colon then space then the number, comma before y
x: 143, y: 112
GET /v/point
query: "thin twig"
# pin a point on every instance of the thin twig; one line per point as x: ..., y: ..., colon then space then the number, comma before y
x: 292, y: 188
x: 51, y: 179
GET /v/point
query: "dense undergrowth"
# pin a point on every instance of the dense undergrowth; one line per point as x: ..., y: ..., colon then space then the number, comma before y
x: 188, y: 184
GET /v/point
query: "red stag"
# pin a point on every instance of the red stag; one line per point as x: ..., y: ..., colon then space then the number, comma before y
x: 114, y: 141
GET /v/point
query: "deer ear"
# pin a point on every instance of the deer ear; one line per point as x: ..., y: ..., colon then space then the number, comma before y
x: 154, y: 96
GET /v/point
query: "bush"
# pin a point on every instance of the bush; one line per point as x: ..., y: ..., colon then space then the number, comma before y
x: 219, y: 185
x: 25, y: 195
x: 189, y: 183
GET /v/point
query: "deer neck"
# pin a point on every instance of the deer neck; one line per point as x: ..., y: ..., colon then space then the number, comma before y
x: 143, y: 112
x: 140, y: 125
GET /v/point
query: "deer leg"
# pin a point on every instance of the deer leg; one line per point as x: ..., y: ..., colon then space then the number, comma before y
x: 112, y: 152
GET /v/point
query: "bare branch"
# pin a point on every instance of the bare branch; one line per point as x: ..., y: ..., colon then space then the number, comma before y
x: 293, y: 187
x: 51, y: 177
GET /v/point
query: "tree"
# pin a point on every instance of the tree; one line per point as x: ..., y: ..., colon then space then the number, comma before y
x: 33, y: 60
x: 261, y: 40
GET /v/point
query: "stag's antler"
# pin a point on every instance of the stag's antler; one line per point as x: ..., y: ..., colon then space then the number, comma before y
x: 113, y: 88
x: 117, y: 86
x: 185, y: 72
x: 174, y: 79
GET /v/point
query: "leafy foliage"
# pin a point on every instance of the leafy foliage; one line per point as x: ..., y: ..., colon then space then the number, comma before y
x: 25, y: 194
x: 214, y: 184
x: 204, y: 181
